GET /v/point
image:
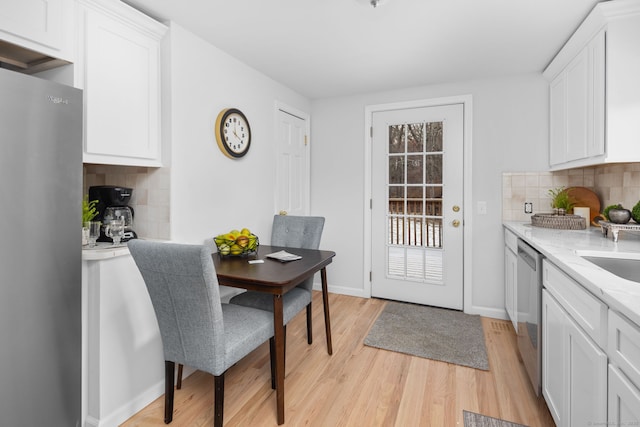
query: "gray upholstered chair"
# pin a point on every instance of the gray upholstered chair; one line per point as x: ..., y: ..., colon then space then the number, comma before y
x: 293, y: 232
x: 196, y: 329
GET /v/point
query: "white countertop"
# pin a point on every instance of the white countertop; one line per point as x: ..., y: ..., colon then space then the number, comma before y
x: 560, y: 247
x: 103, y: 250
x: 106, y: 250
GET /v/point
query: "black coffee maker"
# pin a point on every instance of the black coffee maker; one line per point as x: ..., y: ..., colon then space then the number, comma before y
x: 113, y: 203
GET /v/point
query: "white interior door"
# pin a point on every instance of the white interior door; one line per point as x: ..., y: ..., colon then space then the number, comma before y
x: 292, y: 191
x: 417, y: 210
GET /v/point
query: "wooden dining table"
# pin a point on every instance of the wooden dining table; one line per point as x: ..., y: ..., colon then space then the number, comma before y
x: 277, y: 278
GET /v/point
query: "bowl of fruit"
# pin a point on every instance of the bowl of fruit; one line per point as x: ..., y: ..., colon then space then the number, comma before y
x: 237, y: 243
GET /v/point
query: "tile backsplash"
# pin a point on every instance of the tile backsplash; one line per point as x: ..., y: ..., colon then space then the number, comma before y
x: 615, y: 183
x: 150, y: 198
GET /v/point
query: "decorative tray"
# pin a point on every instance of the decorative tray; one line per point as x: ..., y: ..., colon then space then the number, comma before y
x: 560, y: 222
x: 616, y: 228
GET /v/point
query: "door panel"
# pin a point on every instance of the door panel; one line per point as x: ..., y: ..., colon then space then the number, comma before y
x: 554, y: 361
x: 587, y: 379
x: 417, y: 232
x: 292, y: 195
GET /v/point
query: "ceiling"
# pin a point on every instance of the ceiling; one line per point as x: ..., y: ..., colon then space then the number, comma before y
x: 326, y: 48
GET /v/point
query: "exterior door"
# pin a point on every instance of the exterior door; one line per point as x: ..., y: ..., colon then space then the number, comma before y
x: 292, y: 191
x: 417, y: 188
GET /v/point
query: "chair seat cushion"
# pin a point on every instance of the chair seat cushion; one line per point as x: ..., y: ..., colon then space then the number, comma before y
x: 245, y: 329
x: 292, y: 302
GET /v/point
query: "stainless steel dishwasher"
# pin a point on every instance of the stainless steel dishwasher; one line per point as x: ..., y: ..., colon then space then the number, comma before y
x: 529, y: 309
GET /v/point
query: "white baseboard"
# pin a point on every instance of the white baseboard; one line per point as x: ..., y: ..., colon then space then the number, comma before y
x: 493, y: 312
x: 342, y: 290
x: 91, y: 422
x: 129, y: 409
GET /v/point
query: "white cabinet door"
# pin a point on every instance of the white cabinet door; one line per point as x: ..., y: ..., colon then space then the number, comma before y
x: 624, y: 371
x: 553, y: 358
x: 583, y: 307
x: 558, y: 121
x: 587, y: 379
x: 577, y: 75
x: 577, y: 107
x: 510, y: 280
x: 574, y: 369
x: 624, y: 346
x: 607, y: 40
x: 624, y: 400
x: 45, y: 26
x: 121, y: 80
x: 596, y: 101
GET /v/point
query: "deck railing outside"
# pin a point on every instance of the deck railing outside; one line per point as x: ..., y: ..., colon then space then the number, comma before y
x: 423, y: 226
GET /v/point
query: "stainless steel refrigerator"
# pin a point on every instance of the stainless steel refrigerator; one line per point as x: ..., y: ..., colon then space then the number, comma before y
x: 41, y: 256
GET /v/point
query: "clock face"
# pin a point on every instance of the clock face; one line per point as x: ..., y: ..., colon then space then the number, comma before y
x: 233, y: 133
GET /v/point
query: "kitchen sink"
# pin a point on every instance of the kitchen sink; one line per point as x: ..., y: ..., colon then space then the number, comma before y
x: 624, y: 265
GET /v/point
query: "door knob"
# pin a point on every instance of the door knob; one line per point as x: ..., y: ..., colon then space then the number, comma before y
x: 456, y: 208
x: 283, y: 212
x: 455, y: 223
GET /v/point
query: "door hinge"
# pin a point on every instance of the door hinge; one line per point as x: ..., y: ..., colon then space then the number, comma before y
x: 370, y: 204
x: 305, y: 140
x: 371, y: 132
x: 371, y: 276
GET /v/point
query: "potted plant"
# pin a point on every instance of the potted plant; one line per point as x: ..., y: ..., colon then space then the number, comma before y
x: 561, y: 201
x: 89, y: 212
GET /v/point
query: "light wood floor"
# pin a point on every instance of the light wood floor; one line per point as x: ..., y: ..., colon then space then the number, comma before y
x: 359, y: 385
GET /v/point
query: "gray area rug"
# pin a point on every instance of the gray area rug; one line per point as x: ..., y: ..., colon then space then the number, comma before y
x: 433, y: 333
x: 471, y: 419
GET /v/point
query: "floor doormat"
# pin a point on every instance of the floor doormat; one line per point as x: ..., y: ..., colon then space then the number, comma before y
x: 433, y: 333
x: 471, y: 419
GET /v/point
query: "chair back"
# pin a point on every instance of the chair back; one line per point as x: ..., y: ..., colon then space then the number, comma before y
x: 297, y: 231
x: 183, y: 287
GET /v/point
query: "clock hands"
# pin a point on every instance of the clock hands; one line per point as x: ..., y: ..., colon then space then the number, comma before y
x: 235, y: 126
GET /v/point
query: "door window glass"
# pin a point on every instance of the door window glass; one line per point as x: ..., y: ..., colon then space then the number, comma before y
x: 414, y: 202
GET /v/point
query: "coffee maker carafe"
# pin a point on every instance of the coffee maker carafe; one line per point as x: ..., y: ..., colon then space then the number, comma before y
x: 113, y: 203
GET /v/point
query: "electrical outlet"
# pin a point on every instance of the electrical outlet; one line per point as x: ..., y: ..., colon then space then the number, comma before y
x: 528, y: 207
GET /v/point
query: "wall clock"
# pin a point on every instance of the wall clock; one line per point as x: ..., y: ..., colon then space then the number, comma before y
x: 233, y: 133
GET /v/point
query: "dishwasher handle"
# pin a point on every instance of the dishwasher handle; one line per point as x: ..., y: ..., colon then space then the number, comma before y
x: 527, y: 258
x: 527, y: 254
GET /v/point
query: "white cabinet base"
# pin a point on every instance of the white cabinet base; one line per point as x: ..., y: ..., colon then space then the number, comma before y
x: 574, y: 380
x: 123, y: 360
x: 624, y: 401
x: 553, y: 352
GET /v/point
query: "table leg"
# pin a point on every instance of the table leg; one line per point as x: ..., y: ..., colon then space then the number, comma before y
x: 325, y: 300
x: 279, y: 338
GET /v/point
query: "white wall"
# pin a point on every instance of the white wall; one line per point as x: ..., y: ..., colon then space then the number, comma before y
x: 210, y: 193
x: 510, y: 133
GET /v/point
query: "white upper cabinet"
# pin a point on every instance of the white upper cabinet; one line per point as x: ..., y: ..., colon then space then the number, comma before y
x: 45, y: 26
x: 594, y: 91
x: 119, y: 69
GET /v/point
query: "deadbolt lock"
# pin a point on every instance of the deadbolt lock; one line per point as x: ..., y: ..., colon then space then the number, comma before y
x: 456, y: 208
